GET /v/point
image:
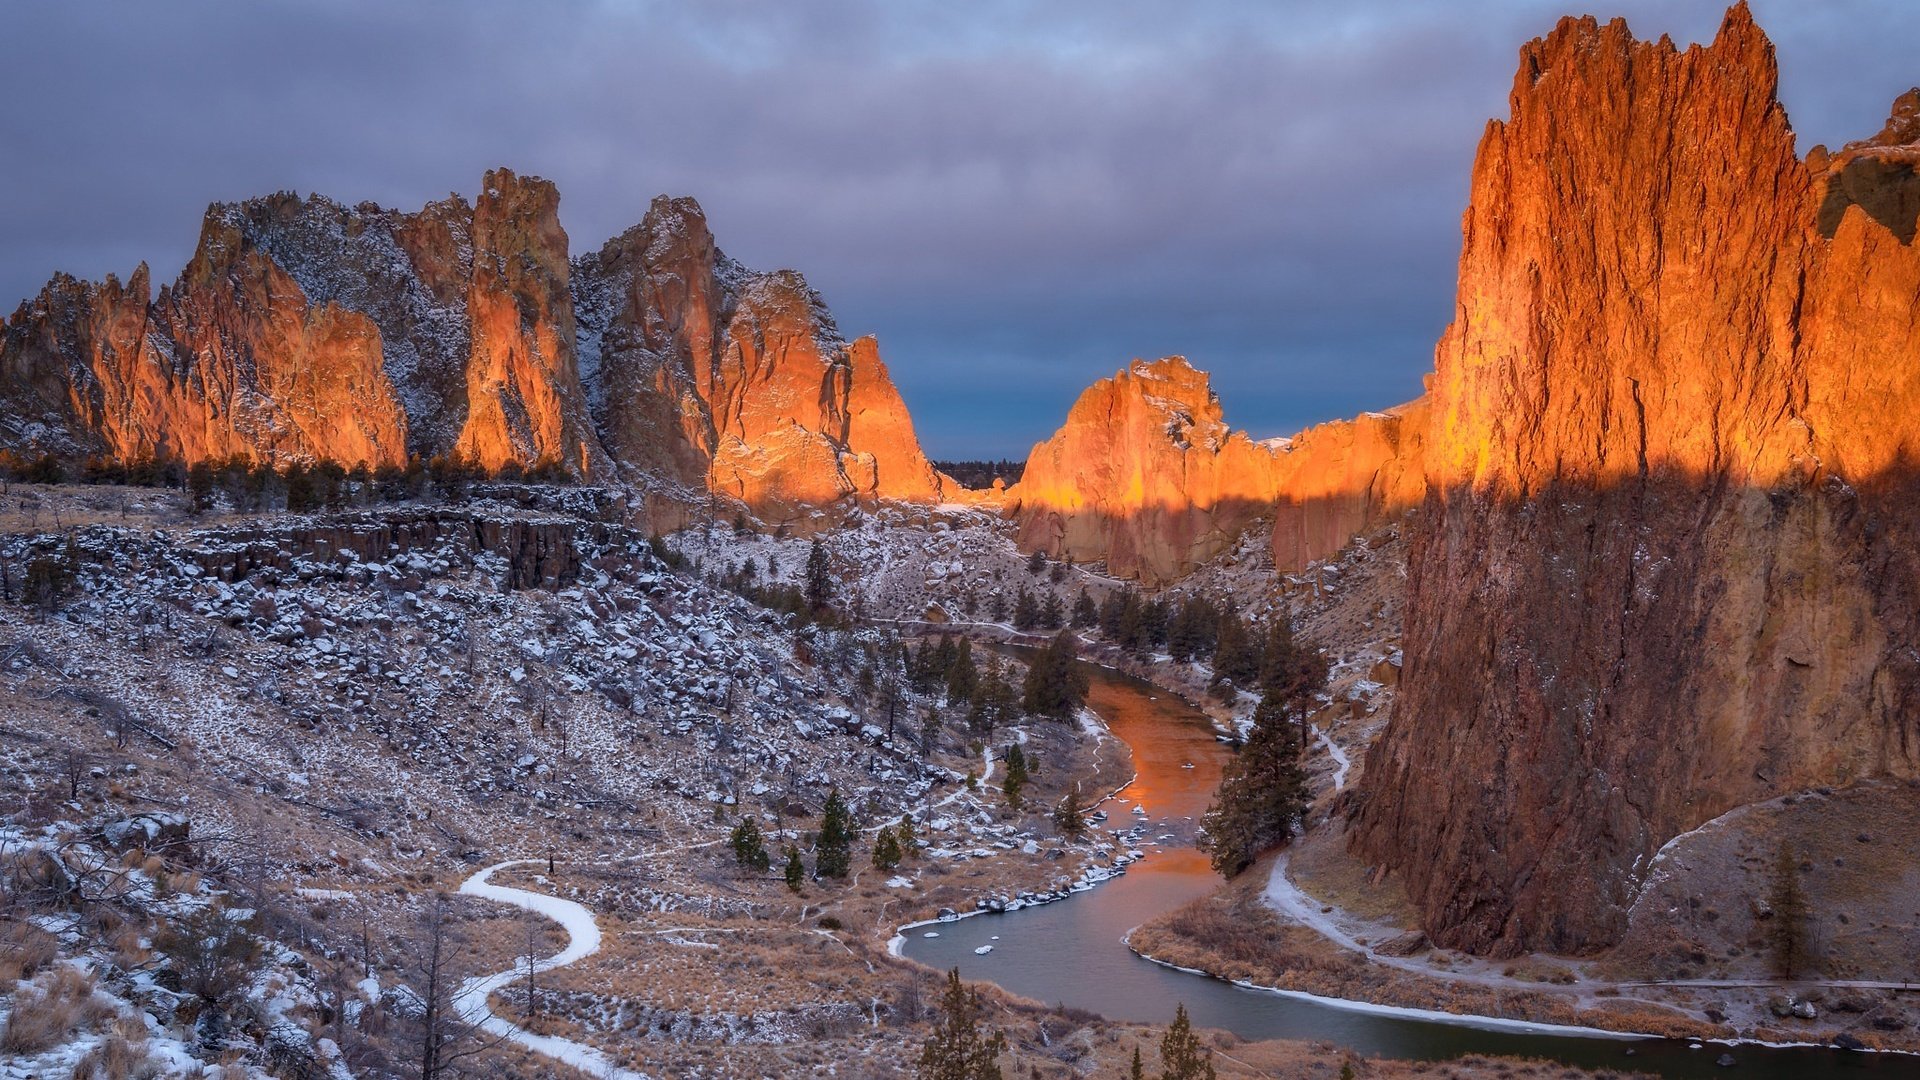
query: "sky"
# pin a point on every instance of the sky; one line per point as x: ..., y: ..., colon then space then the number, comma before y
x: 1017, y: 198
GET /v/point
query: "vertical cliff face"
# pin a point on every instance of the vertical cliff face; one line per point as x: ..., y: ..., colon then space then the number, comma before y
x: 1667, y: 563
x: 231, y: 360
x: 524, y: 399
x: 714, y: 376
x: 1347, y: 478
x: 1145, y: 475
x: 304, y: 329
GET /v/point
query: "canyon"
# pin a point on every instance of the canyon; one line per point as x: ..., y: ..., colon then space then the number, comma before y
x: 1658, y: 494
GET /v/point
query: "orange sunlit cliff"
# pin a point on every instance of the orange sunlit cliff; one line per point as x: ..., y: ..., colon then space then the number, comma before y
x: 306, y: 330
x: 1667, y: 565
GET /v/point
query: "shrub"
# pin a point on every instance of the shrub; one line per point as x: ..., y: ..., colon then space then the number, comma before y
x: 48, y: 1010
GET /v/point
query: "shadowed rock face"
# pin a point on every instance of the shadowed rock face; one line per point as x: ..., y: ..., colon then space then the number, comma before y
x: 306, y: 330
x: 1666, y: 564
x: 1347, y: 478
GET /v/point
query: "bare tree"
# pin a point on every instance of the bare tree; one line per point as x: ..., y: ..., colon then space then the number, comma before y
x: 446, y: 1037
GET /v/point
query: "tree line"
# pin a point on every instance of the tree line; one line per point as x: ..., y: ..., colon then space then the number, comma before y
x: 250, y: 484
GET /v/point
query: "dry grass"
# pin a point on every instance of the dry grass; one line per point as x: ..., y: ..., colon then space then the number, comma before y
x: 48, y: 1010
x: 122, y: 1055
x: 24, y: 950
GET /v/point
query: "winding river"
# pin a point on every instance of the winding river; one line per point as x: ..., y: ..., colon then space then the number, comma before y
x: 1071, y: 952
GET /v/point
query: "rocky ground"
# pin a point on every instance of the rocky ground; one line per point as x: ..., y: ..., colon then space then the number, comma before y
x: 312, y: 732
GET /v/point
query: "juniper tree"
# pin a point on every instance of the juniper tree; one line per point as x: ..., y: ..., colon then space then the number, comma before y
x: 958, y: 1049
x: 1263, y: 791
x: 833, y: 847
x: 1789, y: 931
x: 886, y: 850
x: 1070, y: 815
x: 962, y: 676
x: 795, y: 871
x: 1016, y: 778
x: 1055, y: 685
x: 819, y: 582
x: 1182, y: 1057
x: 1085, y: 614
x: 748, y: 848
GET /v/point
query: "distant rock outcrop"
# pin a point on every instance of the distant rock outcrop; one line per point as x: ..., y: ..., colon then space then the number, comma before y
x: 1144, y: 475
x: 306, y: 330
x: 1669, y: 561
x: 715, y: 377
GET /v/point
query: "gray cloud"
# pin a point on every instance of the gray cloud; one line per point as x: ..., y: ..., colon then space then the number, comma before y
x: 1017, y: 197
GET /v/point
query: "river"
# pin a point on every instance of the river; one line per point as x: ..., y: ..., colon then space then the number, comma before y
x: 1071, y: 952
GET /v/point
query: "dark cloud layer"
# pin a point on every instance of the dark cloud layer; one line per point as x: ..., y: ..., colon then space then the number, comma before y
x: 1016, y: 197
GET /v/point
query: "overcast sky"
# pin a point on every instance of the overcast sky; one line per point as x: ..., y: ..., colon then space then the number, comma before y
x: 1017, y: 198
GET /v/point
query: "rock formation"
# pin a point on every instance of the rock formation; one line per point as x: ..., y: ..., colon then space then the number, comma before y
x: 715, y: 377
x: 1145, y: 475
x: 1668, y: 563
x: 1346, y: 478
x: 307, y: 330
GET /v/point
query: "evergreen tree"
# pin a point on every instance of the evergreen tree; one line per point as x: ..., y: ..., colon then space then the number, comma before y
x: 1788, y: 934
x: 1036, y: 562
x: 1051, y: 614
x: 1016, y: 779
x: 748, y: 848
x: 833, y: 848
x: 909, y: 843
x: 795, y: 871
x: 958, y: 1049
x: 302, y: 493
x: 1070, y: 816
x: 199, y: 487
x: 1236, y: 655
x: 1137, y: 1071
x: 962, y: 676
x: 1026, y: 611
x: 1182, y: 1057
x: 1085, y: 614
x: 886, y: 850
x: 819, y: 581
x: 1055, y: 686
x: 1263, y: 791
x: 1193, y: 628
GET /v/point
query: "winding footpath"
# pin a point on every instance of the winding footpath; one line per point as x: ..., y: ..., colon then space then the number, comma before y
x: 583, y: 934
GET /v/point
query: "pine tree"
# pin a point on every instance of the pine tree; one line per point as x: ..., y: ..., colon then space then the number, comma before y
x: 199, y: 487
x: 1085, y: 614
x: 1182, y: 1057
x: 1263, y: 791
x: 748, y: 849
x: 1051, y: 614
x: 1789, y: 931
x: 819, y: 582
x: 1036, y: 562
x: 958, y: 1049
x: 1070, y: 816
x: 1138, y: 1071
x: 1016, y: 778
x: 833, y: 848
x: 962, y: 676
x: 886, y: 850
x: 909, y: 843
x: 1026, y: 611
x: 1236, y: 655
x: 795, y: 871
x: 1055, y: 686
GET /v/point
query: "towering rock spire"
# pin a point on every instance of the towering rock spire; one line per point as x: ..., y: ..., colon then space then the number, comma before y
x: 1669, y: 561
